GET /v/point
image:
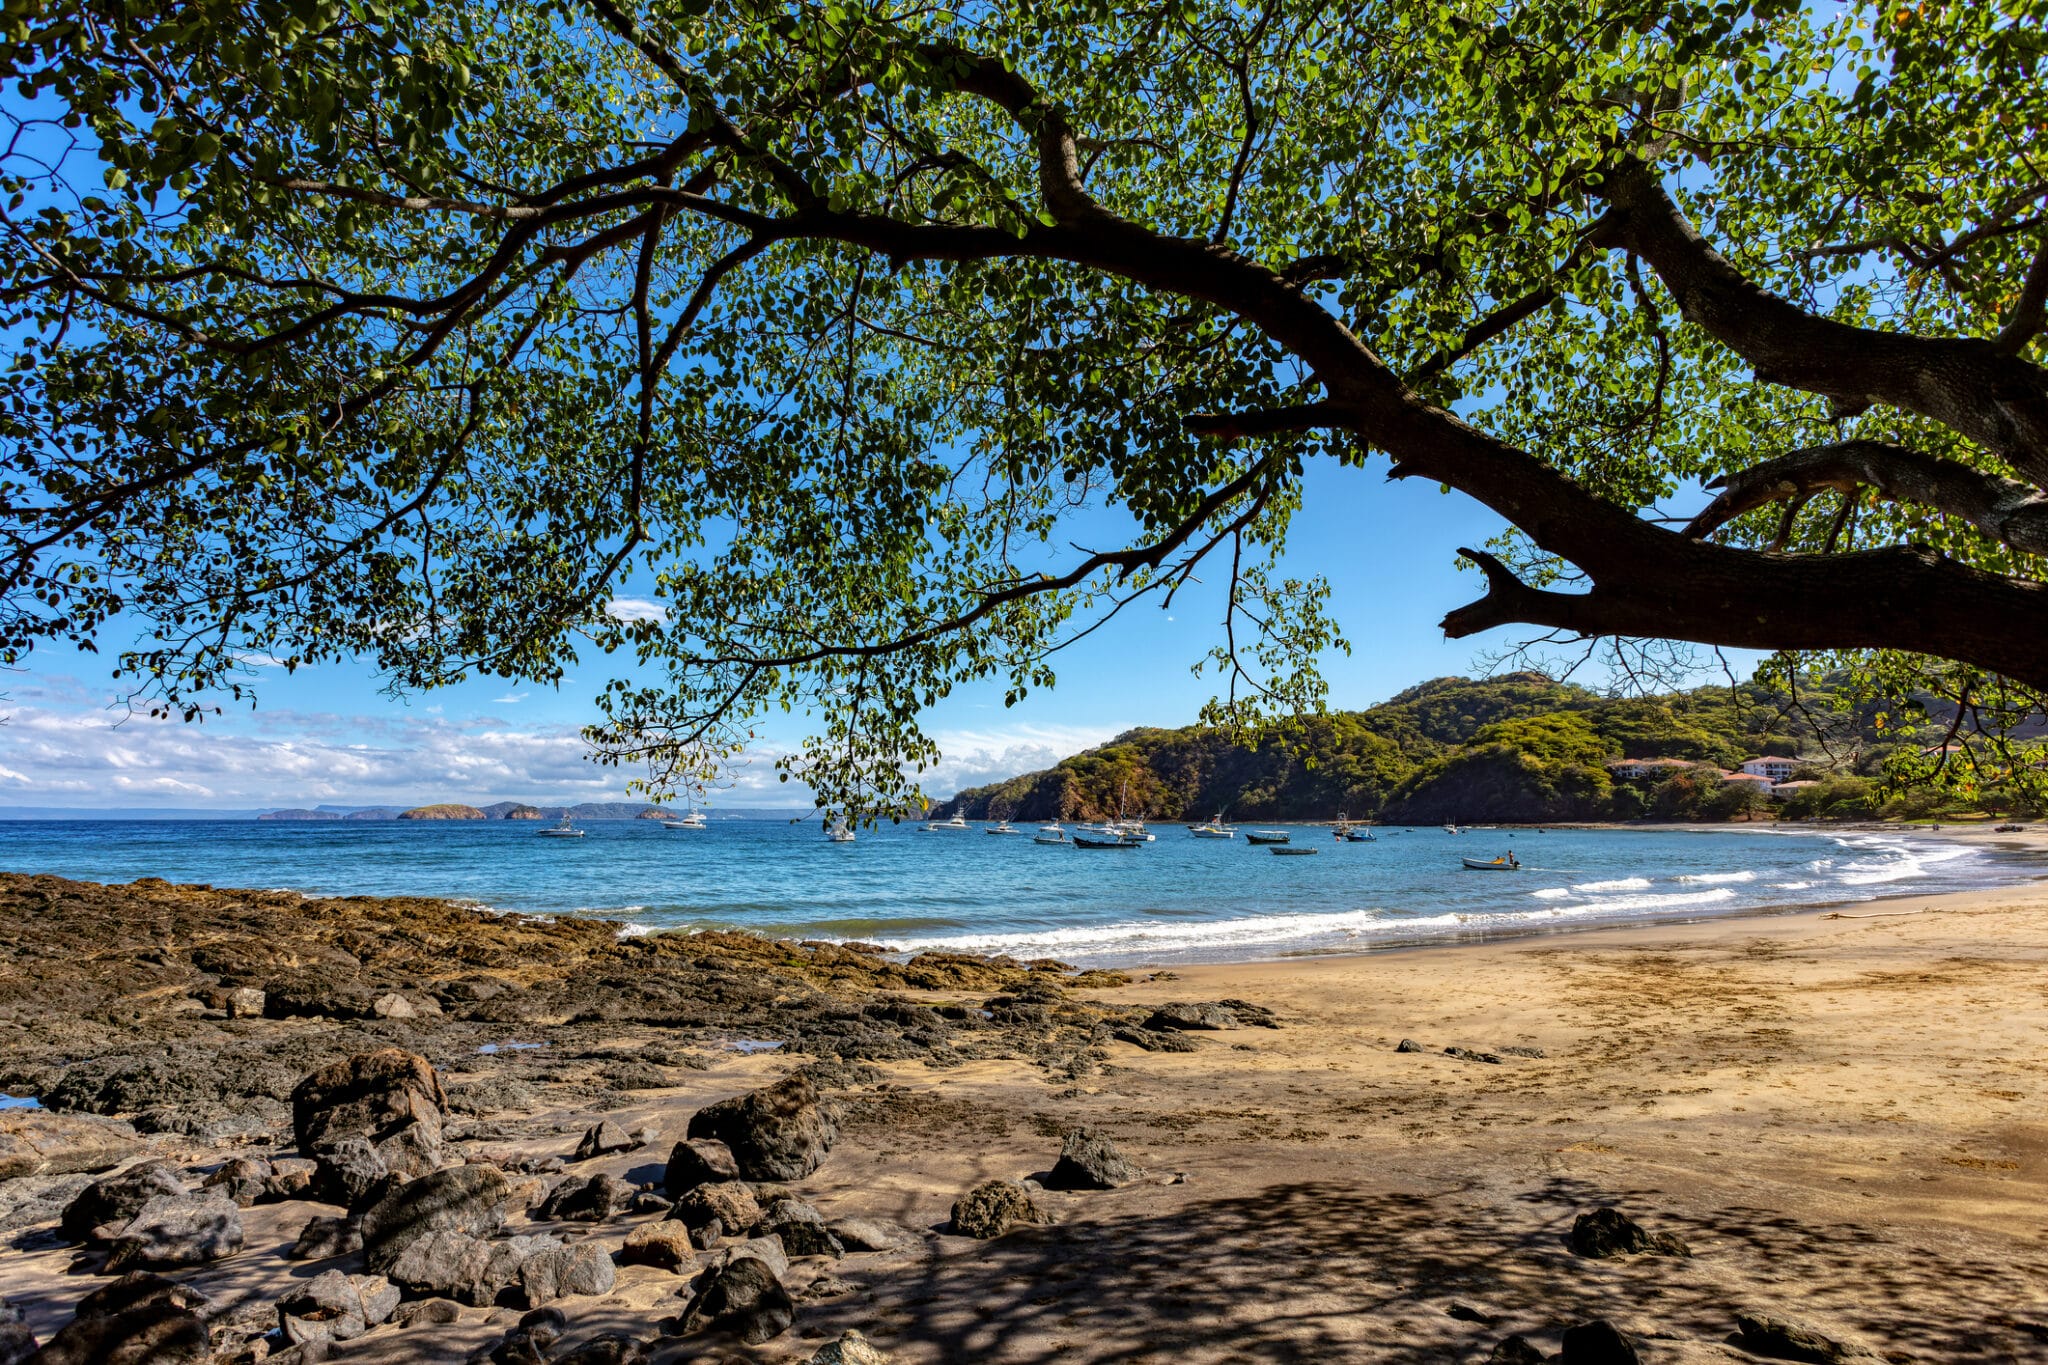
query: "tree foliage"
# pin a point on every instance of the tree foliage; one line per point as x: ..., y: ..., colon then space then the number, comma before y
x: 413, y: 331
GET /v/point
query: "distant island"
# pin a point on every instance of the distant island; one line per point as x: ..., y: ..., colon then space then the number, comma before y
x: 455, y: 810
x: 1520, y: 748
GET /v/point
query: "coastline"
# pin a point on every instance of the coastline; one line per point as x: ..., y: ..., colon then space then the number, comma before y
x: 1840, y: 1111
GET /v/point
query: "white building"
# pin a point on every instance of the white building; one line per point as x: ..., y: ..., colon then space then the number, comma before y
x: 1772, y: 769
x: 1629, y: 769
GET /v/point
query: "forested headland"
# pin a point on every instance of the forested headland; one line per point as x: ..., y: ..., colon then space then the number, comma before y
x: 1525, y: 748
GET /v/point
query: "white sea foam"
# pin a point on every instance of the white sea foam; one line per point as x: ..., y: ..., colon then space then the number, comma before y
x: 634, y: 930
x: 1790, y: 886
x: 1898, y: 862
x: 1618, y: 884
x: 1718, y: 877
x: 1552, y: 893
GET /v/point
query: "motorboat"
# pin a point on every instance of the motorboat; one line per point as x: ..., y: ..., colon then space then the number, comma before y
x: 1133, y: 830
x: 1360, y: 836
x: 564, y: 830
x: 1051, y: 834
x: 1082, y: 842
x: 1452, y: 829
x: 1268, y: 836
x: 958, y: 822
x: 1303, y: 851
x: 693, y: 820
x: 1002, y: 827
x: 1507, y: 862
x: 1213, y: 829
x: 840, y: 833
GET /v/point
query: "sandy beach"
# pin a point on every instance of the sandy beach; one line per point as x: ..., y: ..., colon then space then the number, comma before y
x: 1844, y: 1115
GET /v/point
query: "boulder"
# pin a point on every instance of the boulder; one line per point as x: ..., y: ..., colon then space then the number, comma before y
x: 427, y: 1311
x: 351, y: 1173
x: 1780, y: 1339
x: 585, y: 1268
x: 1606, y: 1233
x: 1514, y: 1350
x: 390, y: 1098
x: 613, y: 1348
x: 291, y: 1177
x: 324, y: 1308
x: 1090, y: 1161
x: 647, y: 1201
x: 450, y: 1264
x: 801, y: 1229
x: 603, y: 1139
x: 155, y: 1334
x: 102, y: 1209
x: 244, y: 1179
x: 731, y: 1202
x: 466, y: 1199
x: 743, y: 1297
x: 244, y: 1002
x: 142, y: 1289
x: 590, y: 1199
x: 392, y: 1005
x: 768, y: 1248
x: 665, y: 1245
x: 1410, y: 1045
x: 698, y: 1161
x: 181, y: 1229
x: 870, y: 1234
x: 993, y: 1207
x: 324, y: 1238
x: 42, y: 1142
x: 1191, y: 1017
x: 851, y: 1349
x: 779, y: 1132
x: 1598, y: 1342
x: 17, y: 1343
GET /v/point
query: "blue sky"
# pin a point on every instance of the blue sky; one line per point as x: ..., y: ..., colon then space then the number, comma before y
x: 330, y: 735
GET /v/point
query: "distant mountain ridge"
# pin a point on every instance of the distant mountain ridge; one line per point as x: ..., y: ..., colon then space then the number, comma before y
x: 451, y: 810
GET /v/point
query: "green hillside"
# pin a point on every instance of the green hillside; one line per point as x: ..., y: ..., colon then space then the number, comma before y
x: 1519, y: 747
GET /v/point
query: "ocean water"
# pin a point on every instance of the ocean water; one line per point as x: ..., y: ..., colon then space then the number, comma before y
x: 1176, y: 899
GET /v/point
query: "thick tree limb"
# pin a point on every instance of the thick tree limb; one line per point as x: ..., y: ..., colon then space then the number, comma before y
x: 2006, y: 510
x: 1969, y: 385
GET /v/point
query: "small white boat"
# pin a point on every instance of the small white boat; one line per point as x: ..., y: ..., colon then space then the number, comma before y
x: 840, y: 833
x: 1214, y: 829
x: 1452, y: 829
x: 564, y: 830
x: 1507, y: 862
x: 1131, y: 831
x: 1002, y: 827
x: 958, y: 821
x: 694, y: 820
x: 1051, y: 834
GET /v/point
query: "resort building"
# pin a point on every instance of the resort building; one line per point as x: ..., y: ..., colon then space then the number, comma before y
x: 1771, y: 768
x: 1629, y: 769
x: 1784, y: 789
x: 1758, y: 780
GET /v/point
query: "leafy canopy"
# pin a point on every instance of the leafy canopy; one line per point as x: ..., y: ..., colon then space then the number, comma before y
x: 414, y: 331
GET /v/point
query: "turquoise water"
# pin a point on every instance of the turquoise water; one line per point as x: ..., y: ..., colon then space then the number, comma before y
x: 1176, y: 899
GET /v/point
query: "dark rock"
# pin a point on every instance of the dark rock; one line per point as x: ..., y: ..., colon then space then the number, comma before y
x: 490, y: 1096
x: 17, y: 1343
x: 324, y: 1238
x: 315, y: 994
x: 290, y: 1178
x: 647, y: 1201
x: 603, y: 1139
x: 427, y: 1311
x: 1606, y: 1233
x: 175, y: 1230
x: 1465, y: 1312
x: 1781, y: 1339
x: 743, y: 1297
x: 244, y: 1179
x: 698, y: 1161
x: 730, y: 1202
x: 851, y: 1349
x: 324, y: 1308
x: 1598, y: 1342
x: 1514, y: 1350
x: 585, y: 1268
x: 613, y: 1348
x: 1535, y: 1052
x: 468, y: 1199
x: 779, y: 1132
x: 351, y: 1173
x: 390, y: 1098
x: 869, y: 1234
x: 587, y: 1200
x: 103, y: 1208
x: 455, y: 1265
x: 1466, y: 1054
x: 993, y: 1207
x: 801, y: 1229
x: 1410, y: 1045
x: 1186, y: 1016
x: 142, y: 1289
x: 706, y: 1237
x: 1090, y: 1161
x: 152, y: 1335
x: 43, y: 1142
x: 767, y: 1248
x: 1153, y: 1041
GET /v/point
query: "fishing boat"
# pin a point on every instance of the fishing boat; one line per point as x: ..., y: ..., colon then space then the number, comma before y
x: 1002, y: 827
x: 564, y: 830
x: 1342, y: 829
x: 1360, y: 836
x: 1507, y: 862
x: 958, y: 822
x: 693, y: 820
x: 1214, y: 829
x: 1083, y: 842
x: 1268, y: 836
x: 840, y: 833
x: 1051, y: 834
x: 1305, y: 851
x: 1133, y: 830
x: 1452, y: 829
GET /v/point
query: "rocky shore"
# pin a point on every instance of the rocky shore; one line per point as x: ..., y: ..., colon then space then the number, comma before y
x: 275, y: 1128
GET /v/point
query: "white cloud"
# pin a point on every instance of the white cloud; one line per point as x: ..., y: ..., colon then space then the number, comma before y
x: 635, y: 609
x: 510, y: 699
x: 972, y: 758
